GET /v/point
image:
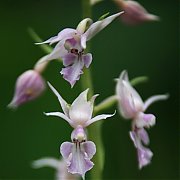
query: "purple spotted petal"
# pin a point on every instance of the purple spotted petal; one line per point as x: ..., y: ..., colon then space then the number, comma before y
x: 144, y: 156
x: 78, y: 160
x: 72, y: 73
x: 87, y: 59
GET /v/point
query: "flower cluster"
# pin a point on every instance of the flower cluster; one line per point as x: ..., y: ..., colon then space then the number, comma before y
x: 71, y: 49
x: 132, y: 107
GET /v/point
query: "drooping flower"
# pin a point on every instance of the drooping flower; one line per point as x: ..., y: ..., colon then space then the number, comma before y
x: 134, y: 13
x: 132, y: 107
x: 78, y: 154
x: 59, y: 165
x: 71, y: 44
x: 80, y: 112
x: 29, y: 86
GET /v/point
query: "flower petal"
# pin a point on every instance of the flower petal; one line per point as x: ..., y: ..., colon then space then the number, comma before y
x: 98, y: 117
x: 145, y: 120
x: 89, y: 148
x: 81, y: 109
x: 69, y: 59
x: 50, y: 162
x: 129, y: 100
x: 143, y: 135
x: 63, y: 103
x: 97, y: 27
x: 64, y: 34
x: 66, y: 149
x: 61, y: 115
x: 153, y: 99
x: 72, y: 73
x: 144, y: 156
x: 134, y: 138
x: 58, y: 52
x: 78, y: 161
x: 87, y: 59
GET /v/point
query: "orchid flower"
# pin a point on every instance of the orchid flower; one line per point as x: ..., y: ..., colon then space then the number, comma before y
x: 79, y: 115
x: 134, y: 13
x: 80, y: 112
x: 131, y: 106
x: 29, y: 86
x: 78, y: 153
x: 71, y: 44
x: 58, y: 165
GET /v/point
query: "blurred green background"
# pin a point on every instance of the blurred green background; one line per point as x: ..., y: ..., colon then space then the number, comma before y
x: 150, y: 49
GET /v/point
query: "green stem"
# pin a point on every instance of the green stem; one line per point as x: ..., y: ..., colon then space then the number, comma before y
x: 105, y: 104
x: 137, y: 80
x: 46, y: 48
x: 94, y: 131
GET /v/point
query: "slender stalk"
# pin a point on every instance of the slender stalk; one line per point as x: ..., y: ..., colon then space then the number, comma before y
x: 95, y: 129
x: 105, y: 104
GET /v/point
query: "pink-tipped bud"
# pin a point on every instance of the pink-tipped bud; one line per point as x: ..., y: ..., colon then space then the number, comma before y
x: 134, y: 13
x: 29, y: 86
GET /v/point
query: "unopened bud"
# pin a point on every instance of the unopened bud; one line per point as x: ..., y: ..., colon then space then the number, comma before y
x: 29, y: 86
x: 134, y: 13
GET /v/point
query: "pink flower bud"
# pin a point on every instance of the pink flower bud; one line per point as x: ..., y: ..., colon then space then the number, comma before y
x: 29, y: 86
x: 134, y: 13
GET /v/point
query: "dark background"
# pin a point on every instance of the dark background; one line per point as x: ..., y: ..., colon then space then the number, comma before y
x: 150, y: 49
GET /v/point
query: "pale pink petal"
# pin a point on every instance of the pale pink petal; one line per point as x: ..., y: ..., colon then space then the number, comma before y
x: 143, y: 135
x: 72, y: 73
x: 66, y: 149
x: 134, y: 138
x: 81, y: 109
x: 69, y: 59
x: 63, y: 103
x: 58, y: 52
x: 100, y: 25
x: 61, y: 115
x: 98, y: 117
x: 89, y: 148
x: 64, y: 34
x: 130, y: 101
x: 87, y: 58
x: 145, y: 120
x: 144, y: 156
x: 78, y: 160
x: 153, y: 99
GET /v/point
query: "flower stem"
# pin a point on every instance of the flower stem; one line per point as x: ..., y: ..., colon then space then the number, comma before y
x: 105, y: 104
x: 95, y: 129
